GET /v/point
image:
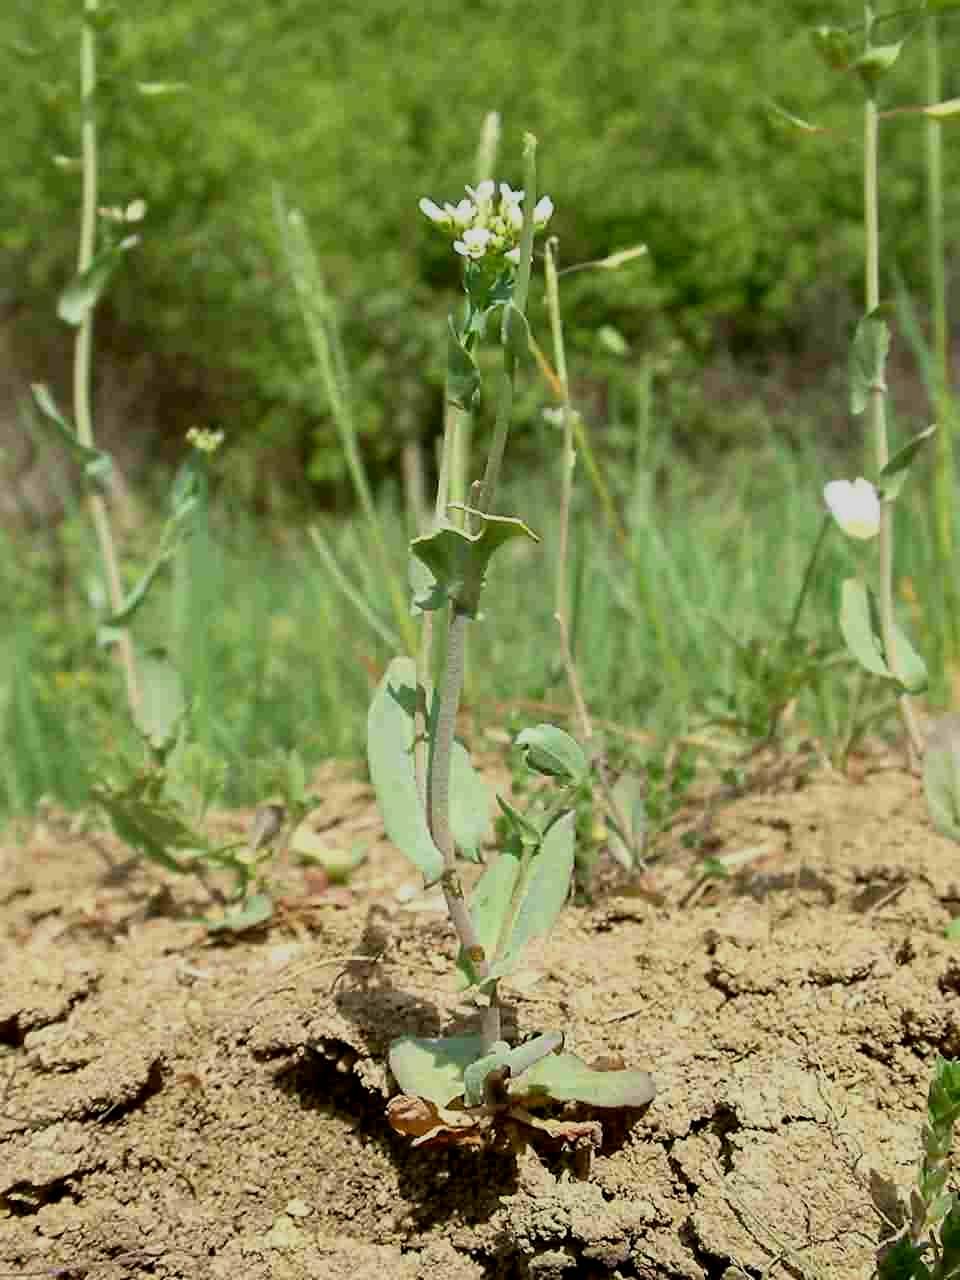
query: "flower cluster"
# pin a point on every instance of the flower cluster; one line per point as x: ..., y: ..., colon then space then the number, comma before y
x: 205, y: 439
x: 487, y: 223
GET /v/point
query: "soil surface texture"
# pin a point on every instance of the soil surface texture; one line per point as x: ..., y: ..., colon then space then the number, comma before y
x: 184, y: 1106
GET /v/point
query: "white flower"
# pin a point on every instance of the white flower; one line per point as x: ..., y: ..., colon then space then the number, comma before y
x: 474, y: 243
x: 483, y: 191
x: 513, y: 215
x: 513, y: 256
x: 855, y: 507
x: 442, y: 217
x: 463, y: 213
x: 135, y: 211
x: 509, y: 196
x: 542, y: 212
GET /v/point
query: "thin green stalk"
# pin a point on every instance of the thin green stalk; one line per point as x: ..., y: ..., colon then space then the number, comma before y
x: 316, y: 307
x: 943, y: 481
x: 568, y: 461
x: 83, y: 347
x: 825, y: 525
x: 878, y: 418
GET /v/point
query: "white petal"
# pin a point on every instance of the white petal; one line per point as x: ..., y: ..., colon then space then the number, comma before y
x: 434, y: 212
x: 542, y: 211
x: 855, y: 507
x: 513, y: 256
x: 484, y: 190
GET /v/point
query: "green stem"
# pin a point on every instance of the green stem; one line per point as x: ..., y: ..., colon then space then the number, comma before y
x: 83, y: 346
x: 942, y: 403
x: 798, y: 604
x: 878, y: 413
x: 451, y: 681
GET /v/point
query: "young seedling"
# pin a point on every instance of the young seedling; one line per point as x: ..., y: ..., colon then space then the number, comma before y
x: 865, y: 509
x: 476, y: 1088
x: 929, y: 1248
x: 153, y: 803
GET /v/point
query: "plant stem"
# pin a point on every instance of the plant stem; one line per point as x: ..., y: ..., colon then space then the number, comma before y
x: 878, y: 408
x: 942, y: 401
x: 83, y: 347
x: 798, y: 604
x: 451, y: 681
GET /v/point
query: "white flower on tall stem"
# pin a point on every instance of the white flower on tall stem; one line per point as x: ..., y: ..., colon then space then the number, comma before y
x: 488, y: 222
x: 855, y: 507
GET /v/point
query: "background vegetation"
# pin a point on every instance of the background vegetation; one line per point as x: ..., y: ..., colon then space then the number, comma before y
x: 729, y: 339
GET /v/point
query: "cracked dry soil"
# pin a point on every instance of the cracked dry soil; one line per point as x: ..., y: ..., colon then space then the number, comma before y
x: 179, y: 1107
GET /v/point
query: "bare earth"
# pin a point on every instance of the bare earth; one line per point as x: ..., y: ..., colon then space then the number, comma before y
x: 182, y: 1107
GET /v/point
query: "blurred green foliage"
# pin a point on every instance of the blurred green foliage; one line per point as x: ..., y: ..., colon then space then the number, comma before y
x: 652, y: 128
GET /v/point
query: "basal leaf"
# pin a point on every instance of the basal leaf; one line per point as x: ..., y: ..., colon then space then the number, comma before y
x: 433, y: 1068
x: 564, y: 1077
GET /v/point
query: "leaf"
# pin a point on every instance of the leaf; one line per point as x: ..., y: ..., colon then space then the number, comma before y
x: 84, y: 291
x: 563, y: 1077
x: 239, y: 916
x: 160, y: 88
x: 868, y: 359
x: 834, y: 45
x: 515, y: 332
x: 910, y: 669
x: 96, y: 464
x: 787, y: 120
x: 162, y: 702
x: 469, y: 804
x: 942, y: 6
x: 526, y: 833
x: 517, y: 1060
x: 539, y: 895
x: 463, y: 376
x: 860, y: 629
x: 894, y: 473
x: 147, y: 821
x: 943, y: 110
x: 430, y: 1125
x: 490, y: 904
x: 549, y: 750
x: 433, y: 1067
x: 338, y: 863
x: 459, y: 560
x: 390, y: 758
x: 941, y: 776
x: 629, y: 796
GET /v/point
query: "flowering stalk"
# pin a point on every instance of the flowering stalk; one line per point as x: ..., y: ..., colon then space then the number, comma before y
x: 877, y: 393
x: 83, y: 349
x: 493, y: 231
